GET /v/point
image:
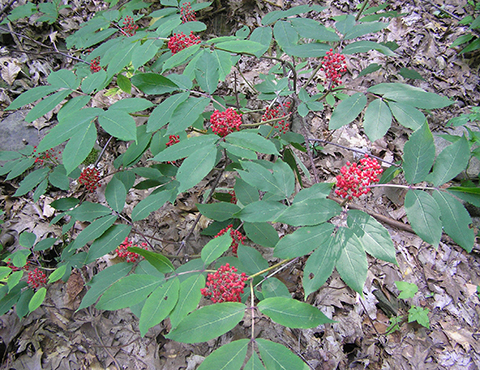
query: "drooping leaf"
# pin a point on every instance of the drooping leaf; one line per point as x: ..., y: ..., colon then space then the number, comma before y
x: 352, y: 264
x: 79, y: 147
x: 292, y: 313
x: 419, y: 154
x: 31, y: 180
x: 111, y: 239
x: 207, y: 73
x: 157, y: 260
x: 374, y: 236
x: 93, y: 231
x: 31, y: 95
x: 407, y: 115
x: 37, y: 299
x: 196, y: 167
x: 455, y: 220
x: 46, y: 105
x: 347, y: 111
x: 188, y: 298
x: 423, y: 213
x: 158, y: 305
x: 450, y: 162
x: 377, y: 119
x: 208, y: 322
x: 116, y: 194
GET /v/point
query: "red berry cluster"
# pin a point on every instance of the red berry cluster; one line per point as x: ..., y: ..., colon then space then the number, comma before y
x: 123, y: 252
x: 95, y: 65
x: 225, y: 285
x: 187, y: 13
x: 272, y: 113
x: 50, y: 155
x: 236, y: 235
x: 233, y: 199
x: 355, y: 179
x: 129, y: 27
x: 90, y: 178
x: 36, y: 278
x: 333, y: 64
x: 224, y: 123
x: 179, y: 42
x: 173, y: 139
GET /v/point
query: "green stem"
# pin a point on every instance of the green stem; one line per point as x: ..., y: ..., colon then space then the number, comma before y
x: 364, y: 5
x: 251, y: 277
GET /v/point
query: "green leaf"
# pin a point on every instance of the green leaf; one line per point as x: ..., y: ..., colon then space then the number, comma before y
x: 308, y: 213
x: 377, y: 119
x: 240, y: 46
x: 206, y: 73
x: 285, y: 34
x: 224, y: 62
x: 188, y: 298
x: 254, y: 362
x: 31, y: 96
x: 58, y: 178
x: 208, y: 322
x: 410, y: 73
x: 21, y: 307
x: 261, y: 233
x: 118, y: 124
x: 196, y: 167
x: 238, y: 151
x: 127, y: 292
x: 46, y: 105
x: 124, y: 84
x: 93, y: 231
x: 261, y: 211
x: 45, y: 244
x: 365, y: 46
x: 419, y: 315
x: 244, y: 192
x: 186, y: 114
x: 277, y: 357
x: 57, y: 274
x: 352, y: 264
x: 157, y: 260
x: 316, y: 191
x: 262, y: 35
x: 312, y: 29
x: 20, y: 166
x: 373, y: 235
x: 292, y: 313
x: 162, y: 114
x: 37, y: 299
x: 259, y: 177
x: 347, y: 111
x: 63, y: 78
x: 79, y: 147
x: 40, y: 190
x: 215, y: 248
x: 106, y: 243
x: 180, y: 57
x: 407, y: 290
x: 423, y: 213
x: 303, y: 240
x: 228, y: 357
x: 145, y: 52
x: 64, y: 204
x: 159, y: 305
x: 151, y: 203
x: 116, y: 194
x: 320, y: 264
x: 94, y: 82
x: 273, y: 287
x: 407, y: 115
x: 345, y: 23
x: 450, y: 162
x: 31, y: 180
x: 185, y: 148
x: 455, y: 220
x: 251, y: 259
x: 419, y: 154
x: 218, y: 211
x: 132, y: 105
x: 101, y: 281
x: 27, y: 239
x: 284, y: 178
x: 7, y: 301
x: 88, y: 211
x: 364, y: 29
x: 153, y: 83
x: 121, y: 57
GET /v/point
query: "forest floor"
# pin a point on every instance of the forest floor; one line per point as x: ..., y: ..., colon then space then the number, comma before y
x: 56, y: 336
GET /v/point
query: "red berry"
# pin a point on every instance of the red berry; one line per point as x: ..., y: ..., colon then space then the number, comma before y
x: 123, y: 252
x: 333, y: 65
x: 187, y: 13
x: 179, y: 42
x: 36, y: 278
x: 90, y: 178
x: 224, y: 123
x: 225, y: 285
